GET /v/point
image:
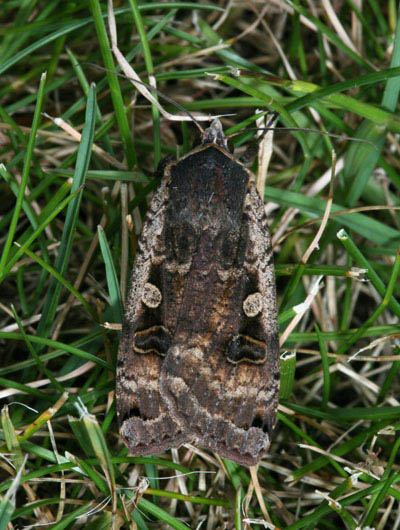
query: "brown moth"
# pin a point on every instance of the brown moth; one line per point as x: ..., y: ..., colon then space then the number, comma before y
x: 199, y: 354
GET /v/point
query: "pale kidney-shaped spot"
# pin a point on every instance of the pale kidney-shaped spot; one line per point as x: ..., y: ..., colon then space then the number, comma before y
x: 252, y: 306
x: 151, y: 295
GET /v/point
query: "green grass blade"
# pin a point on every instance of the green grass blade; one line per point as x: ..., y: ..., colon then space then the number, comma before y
x: 112, y: 279
x: 82, y: 164
x: 25, y: 175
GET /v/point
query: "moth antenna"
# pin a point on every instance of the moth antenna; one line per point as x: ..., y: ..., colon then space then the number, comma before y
x: 341, y: 137
x: 160, y: 94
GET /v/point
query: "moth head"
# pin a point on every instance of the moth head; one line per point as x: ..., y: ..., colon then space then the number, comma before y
x: 215, y: 135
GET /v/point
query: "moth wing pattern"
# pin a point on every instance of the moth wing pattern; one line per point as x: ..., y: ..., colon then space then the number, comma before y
x: 145, y: 423
x: 222, y: 381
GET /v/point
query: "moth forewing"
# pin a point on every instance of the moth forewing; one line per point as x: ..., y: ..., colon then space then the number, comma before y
x: 200, y: 337
x: 145, y: 423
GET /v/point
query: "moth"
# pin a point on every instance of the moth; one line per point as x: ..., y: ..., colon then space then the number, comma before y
x: 198, y: 358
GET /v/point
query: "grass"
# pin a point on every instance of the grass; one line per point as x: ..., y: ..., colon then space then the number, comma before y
x: 67, y: 251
